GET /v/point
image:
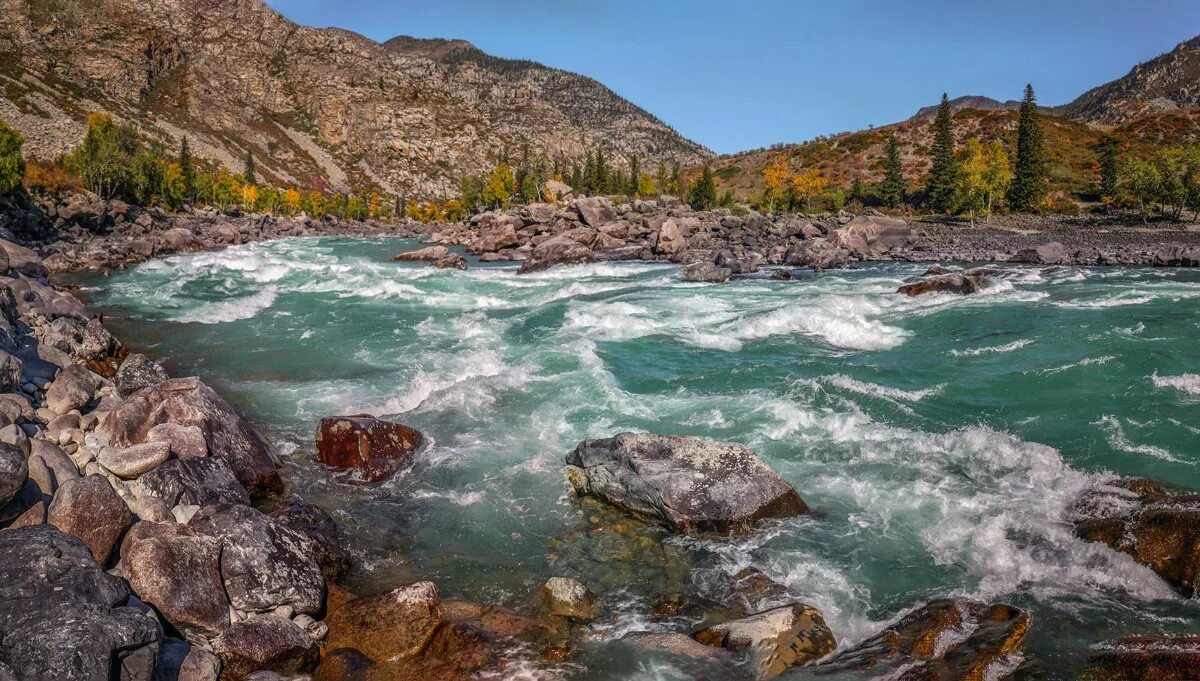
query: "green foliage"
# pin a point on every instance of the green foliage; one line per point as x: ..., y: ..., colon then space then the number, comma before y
x: 106, y: 161
x: 891, y: 189
x: 984, y: 174
x: 702, y: 195
x: 1029, y: 174
x: 251, y: 173
x: 1109, y: 154
x: 187, y: 172
x: 12, y: 166
x: 943, y: 177
x: 635, y: 175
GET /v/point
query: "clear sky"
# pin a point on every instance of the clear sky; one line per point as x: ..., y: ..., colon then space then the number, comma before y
x: 740, y: 75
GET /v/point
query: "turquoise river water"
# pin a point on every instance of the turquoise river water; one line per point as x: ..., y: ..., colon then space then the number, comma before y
x: 942, y: 437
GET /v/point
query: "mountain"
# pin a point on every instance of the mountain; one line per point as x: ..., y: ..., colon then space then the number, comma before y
x: 971, y: 102
x: 1165, y: 83
x: 316, y: 107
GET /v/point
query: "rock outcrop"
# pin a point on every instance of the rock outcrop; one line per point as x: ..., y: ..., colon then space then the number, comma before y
x: 688, y: 484
x: 373, y: 448
x: 776, y: 640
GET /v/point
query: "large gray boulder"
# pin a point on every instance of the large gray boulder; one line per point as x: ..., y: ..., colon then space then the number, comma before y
x: 22, y: 259
x: 1051, y: 253
x: 138, y: 371
x: 189, y: 402
x: 13, y: 472
x: 872, y: 234
x: 558, y: 250
x: 688, y: 484
x: 196, y: 482
x: 178, y: 571
x: 264, y: 563
x: 595, y: 211
x: 706, y: 272
x: 72, y: 388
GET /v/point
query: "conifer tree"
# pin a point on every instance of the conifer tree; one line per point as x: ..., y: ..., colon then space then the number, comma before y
x: 602, y: 173
x: 12, y: 166
x: 703, y: 194
x: 1029, y: 173
x: 891, y: 189
x: 635, y: 172
x: 187, y: 174
x: 1109, y: 166
x: 678, y: 183
x: 661, y: 179
x: 943, y: 176
x: 250, y: 174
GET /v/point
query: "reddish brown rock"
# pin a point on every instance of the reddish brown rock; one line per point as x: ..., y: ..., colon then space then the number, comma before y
x: 265, y: 642
x: 962, y: 284
x: 88, y: 508
x: 777, y: 640
x: 374, y: 448
x: 393, y: 625
x: 1145, y: 658
x: 177, y: 570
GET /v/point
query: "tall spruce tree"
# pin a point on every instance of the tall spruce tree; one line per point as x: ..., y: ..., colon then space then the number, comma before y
x: 703, y: 194
x: 943, y: 176
x: 891, y: 189
x: 1109, y: 166
x: 1029, y: 171
x: 251, y: 173
x: 635, y: 171
x: 187, y: 173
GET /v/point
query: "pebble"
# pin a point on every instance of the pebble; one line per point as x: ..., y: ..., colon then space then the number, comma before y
x: 28, y: 388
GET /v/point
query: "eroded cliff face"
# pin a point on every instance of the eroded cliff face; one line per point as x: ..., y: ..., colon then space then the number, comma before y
x: 321, y: 107
x: 1165, y: 83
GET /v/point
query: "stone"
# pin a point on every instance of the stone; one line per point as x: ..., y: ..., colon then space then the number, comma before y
x: 90, y: 509
x: 670, y: 239
x: 82, y: 341
x: 14, y: 470
x: 675, y: 644
x: 329, y: 544
x: 62, y: 616
x: 1052, y: 253
x: 185, y: 442
x: 189, y: 402
x: 15, y: 435
x: 373, y: 448
x: 343, y: 664
x: 73, y: 388
x: 495, y: 238
x: 266, y: 643
x: 557, y: 250
x: 777, y: 639
x: 554, y: 190
x: 396, y: 624
x: 454, y: 261
x: 177, y: 570
x: 1144, y: 658
x: 264, y: 563
x: 138, y: 371
x: 11, y: 369
x: 706, y: 272
x: 430, y: 254
x: 131, y: 462
x: 688, y: 484
x: 595, y: 211
x: 961, y: 284
x: 22, y: 259
x: 14, y: 406
x: 872, y: 234
x: 566, y: 597
x: 181, y: 239
x: 34, y: 515
x: 191, y: 481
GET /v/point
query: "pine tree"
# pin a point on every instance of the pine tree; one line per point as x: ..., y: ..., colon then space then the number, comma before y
x: 891, y: 189
x: 703, y: 194
x: 250, y: 174
x: 678, y: 182
x: 187, y: 174
x: 661, y: 179
x: 635, y: 172
x: 1109, y: 164
x: 943, y: 176
x: 602, y: 173
x: 576, y: 178
x: 1029, y: 173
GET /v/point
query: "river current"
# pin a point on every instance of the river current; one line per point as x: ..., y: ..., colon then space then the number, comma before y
x: 943, y: 438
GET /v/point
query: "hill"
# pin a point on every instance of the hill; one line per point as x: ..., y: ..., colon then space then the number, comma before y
x: 1165, y: 83
x: 320, y: 108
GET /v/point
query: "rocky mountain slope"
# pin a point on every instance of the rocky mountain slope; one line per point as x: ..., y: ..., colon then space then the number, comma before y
x: 316, y: 107
x: 1165, y: 83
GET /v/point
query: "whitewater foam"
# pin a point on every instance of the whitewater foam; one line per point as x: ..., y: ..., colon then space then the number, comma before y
x: 1007, y: 347
x: 1188, y: 383
x: 230, y: 310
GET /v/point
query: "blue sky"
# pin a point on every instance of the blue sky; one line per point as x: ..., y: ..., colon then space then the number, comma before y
x: 736, y: 76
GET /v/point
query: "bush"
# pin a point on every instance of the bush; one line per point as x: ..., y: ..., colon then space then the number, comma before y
x: 49, y: 179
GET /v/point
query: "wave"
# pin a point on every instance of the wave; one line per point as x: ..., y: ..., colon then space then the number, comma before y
x: 230, y: 310
x: 1008, y: 347
x: 874, y: 390
x: 842, y: 322
x: 1085, y: 362
x: 1188, y: 383
x: 1119, y: 300
x: 1117, y: 439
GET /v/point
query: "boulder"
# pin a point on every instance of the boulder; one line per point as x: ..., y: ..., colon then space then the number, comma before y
x: 962, y: 284
x: 1144, y: 658
x: 87, y: 342
x: 670, y: 239
x: 131, y: 462
x: 185, y: 442
x: 818, y: 254
x: 264, y: 643
x: 189, y: 402
x: 13, y: 471
x: 554, y: 190
x: 944, y: 639
x: 1148, y: 520
x: 177, y: 571
x: 675, y: 644
x: 706, y: 272
x: 566, y: 597
x: 198, y: 482
x: 11, y: 368
x: 23, y: 260
x: 871, y: 234
x: 264, y: 563
x: 557, y: 250
x: 429, y: 254
x: 688, y: 484
x: 393, y: 625
x: 329, y: 544
x: 138, y: 371
x: 88, y: 508
x: 373, y: 448
x: 1052, y: 253
x: 595, y: 211
x: 62, y: 616
x: 454, y: 261
x: 73, y: 388
x: 777, y: 640
x: 181, y: 239
x: 495, y: 238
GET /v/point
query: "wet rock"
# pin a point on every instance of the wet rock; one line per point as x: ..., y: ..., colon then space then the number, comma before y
x: 753, y: 591
x: 177, y: 570
x: 1052, y: 253
x: 264, y: 564
x: 131, y: 462
x: 429, y: 254
x: 88, y: 508
x: 61, y: 614
x: 185, y: 442
x: 189, y: 402
x: 1145, y: 658
x: 963, y: 284
x: 264, y: 642
x: 1154, y: 523
x: 706, y: 272
x: 396, y: 624
x: 375, y: 449
x: 329, y: 543
x: 138, y: 371
x: 343, y: 664
x: 454, y: 261
x: 688, y: 484
x: 199, y: 482
x: 557, y: 250
x: 13, y: 472
x: 777, y: 640
x: 947, y: 638
x: 676, y: 644
x: 566, y: 597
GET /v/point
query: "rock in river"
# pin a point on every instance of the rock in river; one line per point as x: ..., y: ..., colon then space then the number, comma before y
x: 776, y: 639
x: 971, y: 281
x: 688, y: 484
x: 1145, y: 658
x: 374, y: 448
x: 566, y: 597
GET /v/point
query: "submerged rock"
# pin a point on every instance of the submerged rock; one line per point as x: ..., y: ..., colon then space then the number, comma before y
x: 963, y: 283
x: 675, y: 644
x: 1154, y: 523
x: 375, y: 449
x: 777, y: 639
x: 706, y: 272
x: 944, y: 639
x: 688, y: 484
x: 1145, y: 658
x: 566, y: 597
x: 396, y: 624
x: 429, y: 254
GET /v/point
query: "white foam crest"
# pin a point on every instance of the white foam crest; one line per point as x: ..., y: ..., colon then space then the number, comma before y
x: 1007, y: 347
x: 875, y: 390
x: 1085, y: 362
x: 233, y: 310
x: 1188, y: 383
x: 1117, y: 439
x: 1119, y: 300
x: 841, y: 321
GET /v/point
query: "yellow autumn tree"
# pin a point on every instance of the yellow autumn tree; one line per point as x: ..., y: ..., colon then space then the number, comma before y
x: 500, y: 186
x: 776, y: 176
x: 292, y: 200
x: 984, y: 173
x: 646, y: 186
x: 807, y: 186
x: 250, y: 197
